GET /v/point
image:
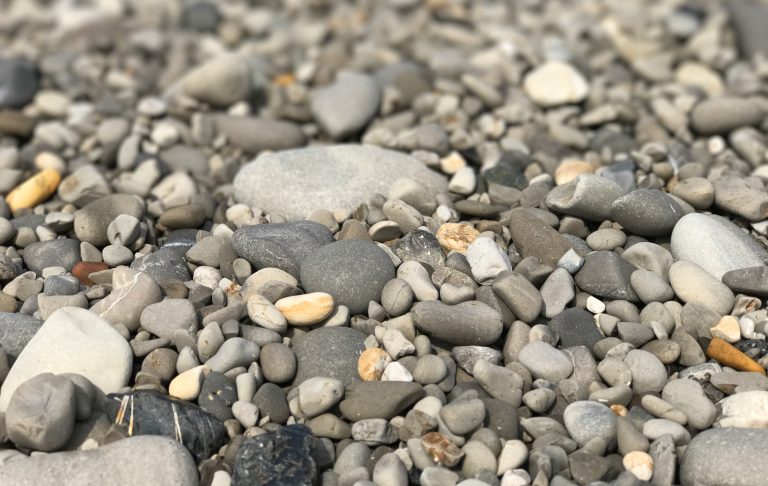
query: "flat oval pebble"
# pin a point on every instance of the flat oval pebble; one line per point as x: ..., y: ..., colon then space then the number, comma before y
x: 463, y: 324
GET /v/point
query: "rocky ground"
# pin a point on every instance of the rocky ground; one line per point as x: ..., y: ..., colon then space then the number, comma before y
x: 436, y: 242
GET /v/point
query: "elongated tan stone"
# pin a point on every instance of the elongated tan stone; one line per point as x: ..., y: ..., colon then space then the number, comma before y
x: 307, y: 309
x: 34, y: 190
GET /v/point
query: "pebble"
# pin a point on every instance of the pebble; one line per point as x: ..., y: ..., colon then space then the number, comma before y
x: 588, y: 420
x: 307, y: 309
x: 486, y: 259
x: 555, y: 83
x: 319, y: 394
x: 556, y: 292
x: 587, y: 196
x: 34, y: 190
x: 717, y: 116
x: 692, y: 283
x: 379, y: 399
x: 267, y: 181
x: 187, y: 385
x: 221, y: 81
x: 282, y: 245
x: 648, y: 372
x: 534, y: 238
x: 468, y: 323
x: 545, y: 361
x: 19, y: 81
x: 132, y: 291
x: 278, y: 363
x: 640, y: 464
x: 254, y: 135
x: 163, y: 318
x: 647, y: 212
x: 352, y: 272
x: 372, y: 363
x: 456, y: 236
x: 416, y: 278
x: 688, y: 397
x: 330, y: 352
x: 64, y: 252
x: 93, y: 219
x: 726, y: 354
x: 605, y: 274
x: 339, y: 118
x: 519, y: 295
x: 73, y: 340
x: 397, y: 296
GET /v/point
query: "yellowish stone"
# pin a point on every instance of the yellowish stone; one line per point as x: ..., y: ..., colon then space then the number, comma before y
x: 34, y: 190
x: 456, y: 236
x: 727, y: 329
x: 307, y: 309
x: 187, y: 385
x: 452, y: 163
x: 640, y: 464
x: 372, y: 363
x: 570, y: 169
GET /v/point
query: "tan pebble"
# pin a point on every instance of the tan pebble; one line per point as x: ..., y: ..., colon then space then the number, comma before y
x: 619, y: 410
x: 456, y: 236
x: 452, y: 163
x: 441, y: 449
x: 34, y: 190
x: 187, y: 385
x: 49, y: 160
x: 372, y: 364
x: 640, y: 464
x: 307, y: 309
x: 727, y: 329
x: 568, y: 170
x: 727, y: 355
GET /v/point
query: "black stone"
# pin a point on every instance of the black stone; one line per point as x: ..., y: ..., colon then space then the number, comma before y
x: 280, y: 245
x: 280, y: 458
x: 420, y: 246
x: 576, y: 327
x: 18, y: 82
x: 149, y: 413
x: 271, y: 401
x: 217, y: 395
x: 509, y: 171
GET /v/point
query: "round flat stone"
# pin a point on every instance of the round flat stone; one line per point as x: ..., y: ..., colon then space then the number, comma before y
x: 330, y: 352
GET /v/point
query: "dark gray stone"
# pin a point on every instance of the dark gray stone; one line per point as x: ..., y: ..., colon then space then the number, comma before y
x: 18, y: 82
x: 750, y: 281
x: 15, y: 332
x: 535, y: 238
x: 280, y: 245
x: 272, y: 402
x: 277, y: 458
x: 253, y: 135
x: 330, y: 352
x: 724, y: 456
x: 468, y: 323
x: 165, y: 266
x: 354, y: 272
x: 217, y: 395
x: 62, y: 252
x: 576, y: 327
x: 150, y: 413
x: 92, y: 221
x: 647, y: 212
x: 421, y: 246
x: 606, y: 274
x: 379, y: 399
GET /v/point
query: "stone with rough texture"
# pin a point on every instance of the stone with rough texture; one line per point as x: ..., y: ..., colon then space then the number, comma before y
x: 646, y: 212
x: 133, y: 461
x: 280, y: 245
x: 16, y: 330
x: 63, y: 252
x: 586, y: 420
x: 149, y: 413
x: 724, y: 456
x: 354, y: 272
x: 715, y: 244
x: 73, y: 340
x: 284, y: 456
x: 321, y: 175
x: 329, y: 352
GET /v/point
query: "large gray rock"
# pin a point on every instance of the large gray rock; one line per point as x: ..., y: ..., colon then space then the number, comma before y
x: 715, y: 244
x: 73, y: 340
x: 135, y: 461
x: 468, y: 323
x: 354, y: 272
x: 293, y: 183
x: 724, y: 457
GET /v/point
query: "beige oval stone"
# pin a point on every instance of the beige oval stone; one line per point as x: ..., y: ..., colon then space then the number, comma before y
x: 34, y: 190
x: 456, y: 236
x: 372, y: 363
x: 452, y: 163
x: 569, y: 169
x: 640, y: 464
x: 187, y: 385
x: 307, y: 309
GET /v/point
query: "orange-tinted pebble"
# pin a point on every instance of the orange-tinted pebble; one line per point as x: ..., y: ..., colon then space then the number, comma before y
x: 82, y: 270
x: 725, y: 354
x: 34, y: 190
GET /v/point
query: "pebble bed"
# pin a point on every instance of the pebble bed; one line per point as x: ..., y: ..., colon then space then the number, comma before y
x: 353, y: 243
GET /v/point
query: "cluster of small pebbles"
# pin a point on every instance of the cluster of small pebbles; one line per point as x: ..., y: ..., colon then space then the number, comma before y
x: 352, y: 243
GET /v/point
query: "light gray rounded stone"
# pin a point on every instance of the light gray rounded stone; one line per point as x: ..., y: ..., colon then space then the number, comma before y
x: 586, y: 420
x: 648, y: 373
x: 321, y: 175
x: 724, y: 456
x: 692, y: 283
x: 715, y: 244
x: 545, y: 361
x: 587, y: 196
x: 164, y: 317
x: 331, y: 106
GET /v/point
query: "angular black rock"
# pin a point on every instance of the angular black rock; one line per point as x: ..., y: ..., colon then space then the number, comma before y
x: 164, y: 265
x: 420, y: 246
x: 150, y: 413
x: 283, y: 457
x: 576, y: 327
